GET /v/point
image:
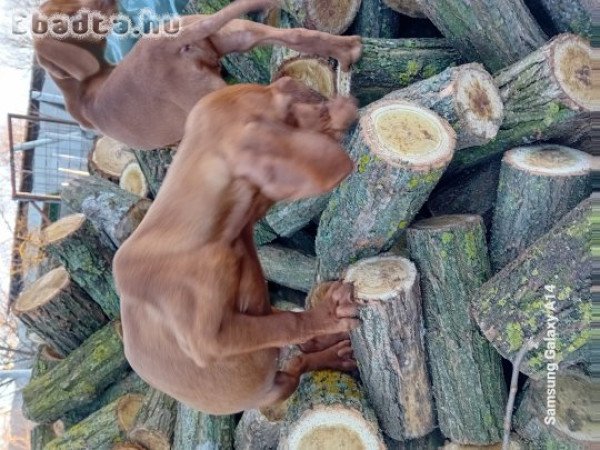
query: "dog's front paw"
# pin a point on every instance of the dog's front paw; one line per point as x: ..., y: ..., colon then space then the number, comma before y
x: 348, y: 51
x: 334, y: 309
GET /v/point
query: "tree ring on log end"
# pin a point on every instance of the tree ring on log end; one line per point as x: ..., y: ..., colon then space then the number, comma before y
x: 407, y: 7
x: 448, y: 222
x: 127, y: 410
x: 406, y: 134
x: 381, y: 278
x: 110, y: 157
x: 42, y: 290
x: 552, y: 160
x: 332, y: 428
x: 572, y: 68
x: 332, y: 16
x: 133, y: 180
x: 315, y: 73
x: 62, y: 228
x: 479, y: 101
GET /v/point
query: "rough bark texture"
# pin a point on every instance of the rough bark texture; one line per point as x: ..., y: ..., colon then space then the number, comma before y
x: 41, y: 435
x: 376, y: 20
x: 77, y: 380
x: 287, y: 218
x: 567, y: 15
x: 247, y: 67
x: 530, y: 202
x: 467, y: 378
x: 375, y: 204
x: 543, y: 294
x: 45, y: 359
x: 324, y: 399
x: 536, y: 106
x: 496, y: 33
x: 111, y: 209
x: 466, y: 97
x: 154, y: 165
x: 388, y: 345
x: 334, y: 16
x: 87, y: 258
x: 196, y: 430
x: 390, y: 64
x: 256, y: 431
x: 59, y: 311
x: 155, y: 422
x: 102, y: 429
x: 407, y: 7
x: 569, y: 404
x: 263, y: 233
x: 288, y: 267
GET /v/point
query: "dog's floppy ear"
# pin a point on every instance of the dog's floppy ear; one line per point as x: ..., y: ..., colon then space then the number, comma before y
x: 65, y: 60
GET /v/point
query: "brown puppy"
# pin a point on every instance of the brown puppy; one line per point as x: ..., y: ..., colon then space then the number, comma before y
x: 196, y: 315
x: 145, y: 99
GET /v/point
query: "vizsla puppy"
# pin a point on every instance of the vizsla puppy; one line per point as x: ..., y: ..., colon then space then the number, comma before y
x: 195, y: 310
x: 144, y: 100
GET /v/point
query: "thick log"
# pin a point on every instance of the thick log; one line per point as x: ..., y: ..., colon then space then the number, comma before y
x: 45, y: 359
x: 77, y: 380
x: 155, y: 422
x: 496, y: 33
x: 127, y: 445
x: 375, y: 19
x: 112, y: 210
x: 59, y: 311
x: 566, y: 16
x: 133, y: 180
x: 108, y: 158
x: 154, y: 165
x: 259, y: 429
x: 388, y: 345
x: 407, y: 7
x: 466, y: 97
x: 543, y: 295
x: 315, y: 72
x: 41, y: 435
x: 263, y: 233
x: 288, y: 267
x: 401, y: 150
x: 286, y: 218
x: 328, y: 410
x: 79, y: 246
x: 515, y: 444
x: 538, y: 185
x: 390, y: 64
x: 558, y: 413
x: 334, y: 16
x: 102, y: 429
x: 546, y: 95
x: 466, y: 372
x: 196, y: 430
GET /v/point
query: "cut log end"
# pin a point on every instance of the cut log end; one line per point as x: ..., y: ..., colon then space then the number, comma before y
x: 407, y: 7
x: 572, y: 68
x: 62, y: 228
x: 133, y: 180
x: 333, y: 16
x: 109, y: 157
x: 150, y: 439
x: 127, y: 410
x: 551, y: 160
x: 381, y: 278
x: 404, y: 133
x: 42, y: 290
x: 316, y: 73
x: 332, y: 427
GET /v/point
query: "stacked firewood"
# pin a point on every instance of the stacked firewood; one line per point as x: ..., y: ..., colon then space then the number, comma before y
x: 467, y: 246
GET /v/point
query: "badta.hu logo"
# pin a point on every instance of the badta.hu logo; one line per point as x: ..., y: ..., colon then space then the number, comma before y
x: 93, y: 24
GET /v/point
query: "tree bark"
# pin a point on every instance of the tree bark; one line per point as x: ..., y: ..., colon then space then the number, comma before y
x: 390, y: 64
x: 110, y: 209
x: 155, y: 421
x: 331, y: 17
x: 375, y: 19
x: 41, y: 435
x: 538, y: 185
x: 328, y: 410
x: 407, y: 7
x: 59, y: 311
x: 467, y: 378
x: 154, y: 165
x: 45, y: 359
x: 196, y: 430
x: 546, y: 96
x: 87, y: 257
x: 566, y: 16
x: 133, y: 180
x: 258, y: 430
x: 108, y: 158
x: 388, y: 345
x: 78, y: 379
x: 466, y: 97
x: 102, y: 429
x: 288, y: 267
x: 543, y: 294
x: 287, y: 218
x: 401, y: 150
x: 496, y: 33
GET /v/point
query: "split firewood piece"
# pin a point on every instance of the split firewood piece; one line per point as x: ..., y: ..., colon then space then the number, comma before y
x: 288, y: 267
x: 388, y: 345
x: 154, y: 165
x: 566, y: 16
x: 109, y: 208
x: 108, y: 158
x: 558, y: 412
x: 401, y: 150
x: 77, y: 380
x: 495, y: 32
x: 133, y: 180
x: 315, y: 72
x: 542, y: 295
x: 538, y: 185
x: 59, y: 311
x: 466, y: 371
x: 197, y: 430
x: 390, y: 64
x: 466, y: 97
x: 334, y: 16
x: 259, y: 429
x: 80, y: 248
x: 547, y: 95
x: 375, y: 19
x: 328, y: 410
x: 286, y: 218
x: 155, y: 422
x: 407, y: 7
x: 102, y: 429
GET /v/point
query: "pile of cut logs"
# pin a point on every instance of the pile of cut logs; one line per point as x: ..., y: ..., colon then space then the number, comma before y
x: 467, y: 246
